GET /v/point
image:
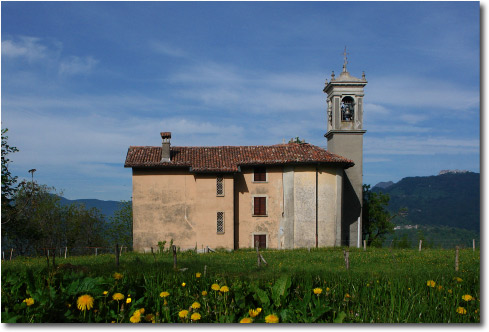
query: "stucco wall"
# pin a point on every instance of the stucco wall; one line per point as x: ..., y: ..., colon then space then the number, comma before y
x: 178, y: 205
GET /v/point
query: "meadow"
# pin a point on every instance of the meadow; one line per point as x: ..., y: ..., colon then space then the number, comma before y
x: 295, y: 286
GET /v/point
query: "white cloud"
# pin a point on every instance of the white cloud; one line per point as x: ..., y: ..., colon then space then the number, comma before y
x: 24, y: 47
x: 74, y: 65
x: 167, y: 49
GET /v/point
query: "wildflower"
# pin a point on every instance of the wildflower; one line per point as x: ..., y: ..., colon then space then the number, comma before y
x: 254, y: 312
x: 128, y: 300
x: 164, y: 294
x: 149, y: 317
x: 271, y: 319
x: 450, y: 291
x: 347, y: 296
x: 118, y: 296
x: 467, y: 298
x: 198, y: 274
x: 440, y: 287
x: 183, y: 313
x: 196, y: 305
x: 29, y: 301
x: 106, y: 292
x: 431, y: 283
x: 165, y: 303
x: 461, y: 311
x: 317, y: 291
x: 215, y: 287
x: 136, y: 317
x: 84, y: 302
x: 327, y: 289
x: 458, y: 279
x: 246, y: 320
x: 204, y: 293
x: 117, y: 276
x: 224, y: 289
x: 195, y: 316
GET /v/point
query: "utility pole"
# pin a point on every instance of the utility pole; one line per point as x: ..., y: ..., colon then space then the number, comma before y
x: 32, y: 172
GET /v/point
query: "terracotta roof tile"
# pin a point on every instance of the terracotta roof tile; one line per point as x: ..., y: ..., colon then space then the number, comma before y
x: 228, y: 158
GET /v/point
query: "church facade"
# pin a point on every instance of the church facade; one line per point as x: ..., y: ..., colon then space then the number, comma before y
x: 280, y: 196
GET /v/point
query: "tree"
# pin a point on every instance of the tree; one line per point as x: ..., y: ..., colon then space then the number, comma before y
x: 8, y: 181
x: 122, y: 224
x: 377, y: 221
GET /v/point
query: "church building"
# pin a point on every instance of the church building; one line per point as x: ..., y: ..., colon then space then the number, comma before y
x: 282, y: 196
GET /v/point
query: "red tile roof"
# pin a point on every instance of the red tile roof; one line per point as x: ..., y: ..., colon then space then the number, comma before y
x: 228, y: 158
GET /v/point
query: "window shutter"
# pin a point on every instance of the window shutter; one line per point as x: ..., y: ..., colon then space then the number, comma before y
x: 260, y: 206
x: 260, y: 174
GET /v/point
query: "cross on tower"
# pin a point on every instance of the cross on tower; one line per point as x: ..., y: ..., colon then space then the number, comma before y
x: 345, y: 55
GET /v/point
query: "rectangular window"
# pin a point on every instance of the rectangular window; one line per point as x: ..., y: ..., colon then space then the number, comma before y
x: 260, y: 241
x: 220, y: 186
x: 260, y: 206
x: 260, y: 174
x: 220, y: 222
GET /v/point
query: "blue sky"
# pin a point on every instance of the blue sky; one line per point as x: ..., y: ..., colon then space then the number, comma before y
x: 82, y: 81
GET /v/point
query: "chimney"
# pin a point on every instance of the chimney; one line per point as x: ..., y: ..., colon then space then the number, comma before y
x: 165, y: 147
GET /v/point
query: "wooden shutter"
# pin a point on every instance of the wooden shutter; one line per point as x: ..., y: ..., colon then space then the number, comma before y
x: 260, y: 174
x: 260, y: 206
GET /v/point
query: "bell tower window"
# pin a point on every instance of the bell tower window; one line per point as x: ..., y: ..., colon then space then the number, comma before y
x: 347, y: 109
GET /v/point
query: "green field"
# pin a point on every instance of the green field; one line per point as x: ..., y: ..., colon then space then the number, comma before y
x: 381, y: 286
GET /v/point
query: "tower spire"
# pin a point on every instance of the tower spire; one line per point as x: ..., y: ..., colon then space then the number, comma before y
x: 345, y: 60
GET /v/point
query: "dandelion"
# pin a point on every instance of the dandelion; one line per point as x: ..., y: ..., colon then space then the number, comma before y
x: 128, y: 300
x: 183, y: 313
x: 136, y: 317
x: 458, y: 279
x: 224, y: 289
x: 204, y: 293
x: 317, y: 291
x: 118, y: 296
x: 183, y: 284
x: 84, y: 302
x: 449, y: 291
x: 118, y: 276
x: 195, y: 316
x: 431, y: 283
x: 164, y: 294
x: 29, y: 301
x: 461, y: 311
x: 347, y: 296
x: 254, y: 312
x: 327, y: 289
x: 246, y: 320
x: 198, y: 274
x: 149, y: 317
x: 440, y: 287
x: 105, y: 292
x: 215, y: 287
x: 467, y: 298
x: 196, y: 305
x: 271, y: 319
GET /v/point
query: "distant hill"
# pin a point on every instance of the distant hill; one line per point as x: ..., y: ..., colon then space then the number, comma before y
x: 450, y: 199
x: 107, y: 208
x: 384, y: 185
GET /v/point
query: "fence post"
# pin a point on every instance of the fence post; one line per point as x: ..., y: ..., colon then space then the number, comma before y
x: 364, y: 245
x: 420, y: 244
x: 174, y: 256
x: 120, y: 252
x: 456, y: 258
x: 117, y: 254
x: 473, y: 244
x: 11, y: 252
x: 257, y: 244
x: 347, y: 259
x: 96, y: 251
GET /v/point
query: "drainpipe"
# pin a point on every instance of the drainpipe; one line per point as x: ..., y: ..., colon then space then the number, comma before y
x: 316, y: 206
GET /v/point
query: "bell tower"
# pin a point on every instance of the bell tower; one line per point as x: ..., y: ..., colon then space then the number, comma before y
x: 345, y: 138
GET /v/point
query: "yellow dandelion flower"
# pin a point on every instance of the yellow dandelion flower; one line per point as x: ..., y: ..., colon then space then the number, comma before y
x: 84, y: 302
x: 164, y: 294
x: 195, y: 316
x: 347, y: 296
x: 271, y: 319
x: 439, y: 287
x: 461, y: 311
x: 467, y: 298
x: 246, y: 320
x: 29, y: 301
x: 431, y: 283
x: 196, y: 305
x: 204, y: 293
x: 149, y: 317
x: 183, y: 284
x: 118, y: 296
x: 183, y: 313
x: 141, y: 311
x: 458, y: 279
x: 317, y: 291
x: 106, y: 292
x: 118, y: 276
x: 224, y: 289
x: 327, y: 289
x: 198, y: 274
x: 254, y: 312
x: 215, y: 287
x: 128, y: 300
x: 450, y: 291
x: 136, y: 318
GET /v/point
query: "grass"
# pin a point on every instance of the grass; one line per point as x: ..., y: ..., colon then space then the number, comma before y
x: 381, y: 286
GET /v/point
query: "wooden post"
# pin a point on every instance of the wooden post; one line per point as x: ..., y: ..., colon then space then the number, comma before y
x: 66, y: 251
x: 120, y: 252
x: 117, y: 254
x: 263, y: 259
x: 11, y: 252
x: 96, y: 251
x: 420, y: 244
x: 364, y: 245
x: 347, y: 259
x: 456, y: 258
x: 174, y: 256
x: 473, y: 244
x: 257, y: 244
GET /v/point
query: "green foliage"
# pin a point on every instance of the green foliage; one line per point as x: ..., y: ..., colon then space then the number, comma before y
x: 8, y: 180
x: 121, y: 225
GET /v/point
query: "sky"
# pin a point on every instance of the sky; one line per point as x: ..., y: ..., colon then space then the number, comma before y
x: 83, y: 81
